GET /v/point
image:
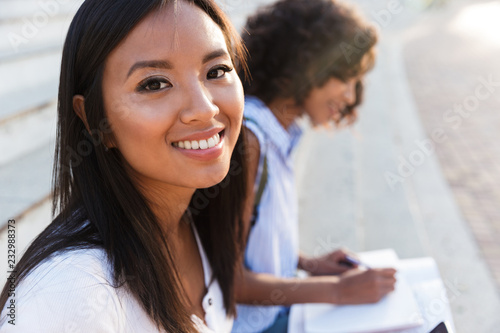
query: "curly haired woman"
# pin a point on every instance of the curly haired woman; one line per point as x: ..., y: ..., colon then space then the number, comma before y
x: 306, y: 57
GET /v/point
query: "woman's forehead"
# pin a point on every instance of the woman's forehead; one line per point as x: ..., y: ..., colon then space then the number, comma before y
x: 173, y: 31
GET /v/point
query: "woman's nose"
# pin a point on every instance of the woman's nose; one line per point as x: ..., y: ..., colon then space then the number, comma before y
x: 199, y: 105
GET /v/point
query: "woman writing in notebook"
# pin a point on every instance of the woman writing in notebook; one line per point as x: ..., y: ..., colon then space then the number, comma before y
x: 150, y: 108
x: 306, y: 57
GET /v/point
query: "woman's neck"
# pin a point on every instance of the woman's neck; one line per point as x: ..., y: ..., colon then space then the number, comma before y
x: 168, y: 202
x: 169, y: 207
x: 285, y: 110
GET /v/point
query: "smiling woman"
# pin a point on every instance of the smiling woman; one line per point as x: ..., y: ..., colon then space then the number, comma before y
x: 151, y: 89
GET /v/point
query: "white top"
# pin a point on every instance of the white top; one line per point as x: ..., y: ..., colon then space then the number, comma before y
x: 71, y: 292
x: 273, y: 241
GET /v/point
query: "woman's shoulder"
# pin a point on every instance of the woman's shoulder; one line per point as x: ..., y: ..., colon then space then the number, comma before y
x: 255, y: 136
x: 68, y: 290
x: 85, y: 264
x: 258, y: 119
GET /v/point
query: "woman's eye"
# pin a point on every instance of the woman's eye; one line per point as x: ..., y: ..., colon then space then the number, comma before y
x: 154, y: 84
x: 218, y: 72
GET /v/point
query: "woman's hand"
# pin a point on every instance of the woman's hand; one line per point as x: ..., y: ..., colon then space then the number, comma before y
x: 332, y: 263
x: 364, y: 286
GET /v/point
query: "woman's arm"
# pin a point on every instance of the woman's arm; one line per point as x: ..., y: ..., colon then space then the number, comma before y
x: 266, y: 289
x: 353, y: 287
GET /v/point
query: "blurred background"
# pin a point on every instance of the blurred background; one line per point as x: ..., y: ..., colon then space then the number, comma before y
x: 419, y: 172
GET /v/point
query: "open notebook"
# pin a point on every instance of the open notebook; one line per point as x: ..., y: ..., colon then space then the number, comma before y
x: 398, y: 310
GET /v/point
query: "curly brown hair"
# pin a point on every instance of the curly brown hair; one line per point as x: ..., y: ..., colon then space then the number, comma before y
x: 295, y: 46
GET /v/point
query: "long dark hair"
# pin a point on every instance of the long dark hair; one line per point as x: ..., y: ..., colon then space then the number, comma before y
x: 96, y: 202
x: 298, y: 45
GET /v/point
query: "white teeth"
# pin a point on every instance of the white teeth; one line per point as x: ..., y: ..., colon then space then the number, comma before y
x: 211, y: 142
x: 199, y: 144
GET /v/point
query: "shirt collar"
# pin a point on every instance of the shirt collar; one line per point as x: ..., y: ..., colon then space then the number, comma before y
x: 284, y: 140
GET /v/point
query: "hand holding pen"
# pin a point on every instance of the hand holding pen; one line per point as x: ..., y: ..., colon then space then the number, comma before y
x: 333, y: 263
x: 368, y: 285
x: 353, y: 262
x: 354, y: 285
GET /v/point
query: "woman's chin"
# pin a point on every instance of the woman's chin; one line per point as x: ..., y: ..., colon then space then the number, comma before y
x: 212, y: 179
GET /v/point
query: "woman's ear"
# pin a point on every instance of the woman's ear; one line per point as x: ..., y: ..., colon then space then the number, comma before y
x: 79, y: 107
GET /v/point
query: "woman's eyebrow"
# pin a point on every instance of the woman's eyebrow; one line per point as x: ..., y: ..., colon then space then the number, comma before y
x: 150, y: 64
x: 214, y: 54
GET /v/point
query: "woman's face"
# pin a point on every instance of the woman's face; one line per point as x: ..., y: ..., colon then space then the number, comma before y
x: 325, y: 104
x: 173, y: 100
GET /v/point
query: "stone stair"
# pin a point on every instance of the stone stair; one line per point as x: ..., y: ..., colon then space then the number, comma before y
x: 32, y: 34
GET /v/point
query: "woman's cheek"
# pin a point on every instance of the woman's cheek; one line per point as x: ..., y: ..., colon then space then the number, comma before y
x: 238, y: 94
x: 233, y: 103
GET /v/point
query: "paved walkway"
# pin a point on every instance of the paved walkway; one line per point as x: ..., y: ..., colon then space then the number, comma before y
x: 454, y: 52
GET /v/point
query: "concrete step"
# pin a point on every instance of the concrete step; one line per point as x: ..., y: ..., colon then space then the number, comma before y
x: 28, y: 226
x: 24, y: 135
x: 37, y: 12
x: 19, y: 42
x: 28, y: 83
x: 25, y: 182
x: 33, y: 27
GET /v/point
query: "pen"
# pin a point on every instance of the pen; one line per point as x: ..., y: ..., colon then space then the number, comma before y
x: 353, y: 261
